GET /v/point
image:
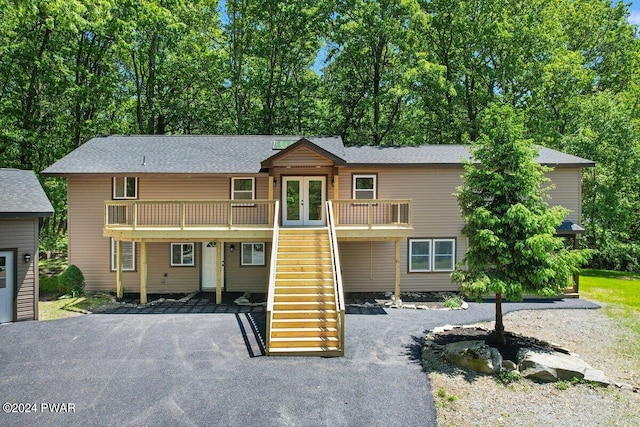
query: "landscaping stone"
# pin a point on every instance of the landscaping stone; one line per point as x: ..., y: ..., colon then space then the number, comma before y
x: 509, y: 365
x: 548, y: 366
x: 475, y: 355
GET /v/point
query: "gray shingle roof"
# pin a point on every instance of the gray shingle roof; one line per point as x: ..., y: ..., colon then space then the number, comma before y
x: 244, y: 153
x: 177, y: 154
x: 443, y: 155
x: 22, y: 195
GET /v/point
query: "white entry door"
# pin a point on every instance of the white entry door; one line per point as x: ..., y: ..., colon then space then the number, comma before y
x: 6, y: 287
x: 303, y: 200
x: 209, y: 266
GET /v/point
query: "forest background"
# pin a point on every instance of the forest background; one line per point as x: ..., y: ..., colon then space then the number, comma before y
x: 387, y: 72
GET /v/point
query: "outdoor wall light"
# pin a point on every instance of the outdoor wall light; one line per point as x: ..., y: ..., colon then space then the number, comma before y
x: 27, y: 258
x: 275, y: 182
x: 232, y: 248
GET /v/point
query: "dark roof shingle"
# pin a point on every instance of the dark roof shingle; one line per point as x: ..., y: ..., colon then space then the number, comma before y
x: 244, y: 153
x: 22, y: 195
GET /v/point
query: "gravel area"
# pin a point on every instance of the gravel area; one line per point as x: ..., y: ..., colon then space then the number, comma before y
x: 464, y: 398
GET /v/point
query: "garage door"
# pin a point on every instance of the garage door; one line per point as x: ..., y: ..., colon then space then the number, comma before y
x: 6, y: 287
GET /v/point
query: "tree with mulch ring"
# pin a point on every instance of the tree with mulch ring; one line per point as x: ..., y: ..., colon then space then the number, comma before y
x: 513, y: 247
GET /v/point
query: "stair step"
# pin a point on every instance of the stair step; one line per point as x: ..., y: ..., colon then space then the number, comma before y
x: 295, y: 253
x: 306, y: 305
x: 304, y: 333
x: 304, y: 261
x: 298, y: 314
x: 288, y: 342
x: 304, y: 275
x: 304, y: 298
x: 308, y: 351
x: 304, y: 268
x: 303, y: 323
x: 328, y: 289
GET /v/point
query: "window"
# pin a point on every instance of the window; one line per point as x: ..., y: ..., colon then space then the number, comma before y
x: 182, y: 254
x: 125, y: 187
x: 128, y: 256
x: 364, y: 187
x: 243, y: 188
x: 431, y: 255
x: 252, y: 254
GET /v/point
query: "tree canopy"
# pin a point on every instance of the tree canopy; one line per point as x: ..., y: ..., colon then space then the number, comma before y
x: 376, y: 72
x: 513, y: 247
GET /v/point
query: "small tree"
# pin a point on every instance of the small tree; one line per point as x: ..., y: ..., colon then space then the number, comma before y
x: 72, y: 280
x: 513, y: 248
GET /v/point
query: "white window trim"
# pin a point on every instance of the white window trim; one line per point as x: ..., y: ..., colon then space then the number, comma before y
x: 375, y: 185
x: 264, y: 254
x: 411, y: 241
x: 453, y: 255
x: 114, y: 266
x: 125, y: 197
x: 253, y: 187
x: 432, y: 255
x: 182, y: 262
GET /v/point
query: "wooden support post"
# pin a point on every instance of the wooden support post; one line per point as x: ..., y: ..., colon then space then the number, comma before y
x: 270, y: 195
x: 143, y: 272
x: 336, y: 186
x: 119, y: 290
x: 397, y: 262
x: 219, y: 272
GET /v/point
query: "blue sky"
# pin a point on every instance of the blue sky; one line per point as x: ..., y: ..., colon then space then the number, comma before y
x: 634, y: 10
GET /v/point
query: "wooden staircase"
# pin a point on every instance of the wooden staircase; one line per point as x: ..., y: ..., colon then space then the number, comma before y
x: 305, y: 319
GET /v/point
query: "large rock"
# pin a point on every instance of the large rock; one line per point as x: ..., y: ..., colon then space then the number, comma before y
x: 474, y: 355
x: 553, y: 366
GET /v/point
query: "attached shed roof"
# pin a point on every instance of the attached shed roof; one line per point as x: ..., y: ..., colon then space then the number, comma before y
x: 21, y: 195
x: 243, y: 154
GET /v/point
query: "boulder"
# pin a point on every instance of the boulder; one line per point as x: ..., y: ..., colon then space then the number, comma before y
x: 553, y: 366
x: 475, y: 355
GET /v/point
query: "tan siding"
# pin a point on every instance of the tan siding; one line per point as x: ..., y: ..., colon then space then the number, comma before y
x: 177, y: 279
x: 567, y: 192
x: 302, y: 156
x: 366, y: 266
x: 245, y: 278
x: 22, y: 235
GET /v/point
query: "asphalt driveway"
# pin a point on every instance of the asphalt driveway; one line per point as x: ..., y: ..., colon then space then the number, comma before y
x: 207, y: 370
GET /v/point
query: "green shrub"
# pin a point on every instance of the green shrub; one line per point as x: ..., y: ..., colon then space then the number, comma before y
x: 506, y: 376
x: 72, y: 280
x: 453, y: 301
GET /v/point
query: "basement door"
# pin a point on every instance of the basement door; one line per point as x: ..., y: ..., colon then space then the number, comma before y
x: 303, y: 200
x: 209, y: 266
x: 6, y: 287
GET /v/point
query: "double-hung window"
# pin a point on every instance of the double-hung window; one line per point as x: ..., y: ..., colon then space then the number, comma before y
x: 243, y: 188
x: 253, y: 254
x: 431, y: 255
x: 364, y: 186
x: 128, y: 256
x: 125, y: 187
x: 182, y: 254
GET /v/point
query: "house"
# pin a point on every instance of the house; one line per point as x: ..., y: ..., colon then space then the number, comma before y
x: 22, y: 203
x: 301, y: 219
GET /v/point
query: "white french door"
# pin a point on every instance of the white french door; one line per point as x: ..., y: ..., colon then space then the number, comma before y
x: 6, y: 287
x: 303, y: 200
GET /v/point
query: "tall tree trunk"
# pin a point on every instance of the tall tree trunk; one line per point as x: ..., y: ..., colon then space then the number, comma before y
x: 500, y: 338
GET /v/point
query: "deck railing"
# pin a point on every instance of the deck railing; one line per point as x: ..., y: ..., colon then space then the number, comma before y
x: 337, y: 274
x: 271, y: 292
x: 137, y: 214
x: 372, y: 213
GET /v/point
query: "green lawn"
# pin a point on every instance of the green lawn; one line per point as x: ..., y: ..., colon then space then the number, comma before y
x: 72, y: 306
x: 620, y: 292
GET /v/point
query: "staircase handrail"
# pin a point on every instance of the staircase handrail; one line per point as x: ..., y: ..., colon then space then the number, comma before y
x: 337, y: 271
x: 272, y: 271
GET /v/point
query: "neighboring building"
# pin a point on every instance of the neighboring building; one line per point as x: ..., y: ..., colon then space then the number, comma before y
x: 22, y: 203
x: 185, y: 213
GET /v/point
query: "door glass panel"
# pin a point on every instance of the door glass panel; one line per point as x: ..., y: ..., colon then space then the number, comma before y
x: 3, y: 272
x: 315, y: 200
x: 293, y: 200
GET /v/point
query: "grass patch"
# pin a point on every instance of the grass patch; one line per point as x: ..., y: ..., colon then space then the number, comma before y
x: 73, y: 306
x: 620, y: 292
x: 52, y: 267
